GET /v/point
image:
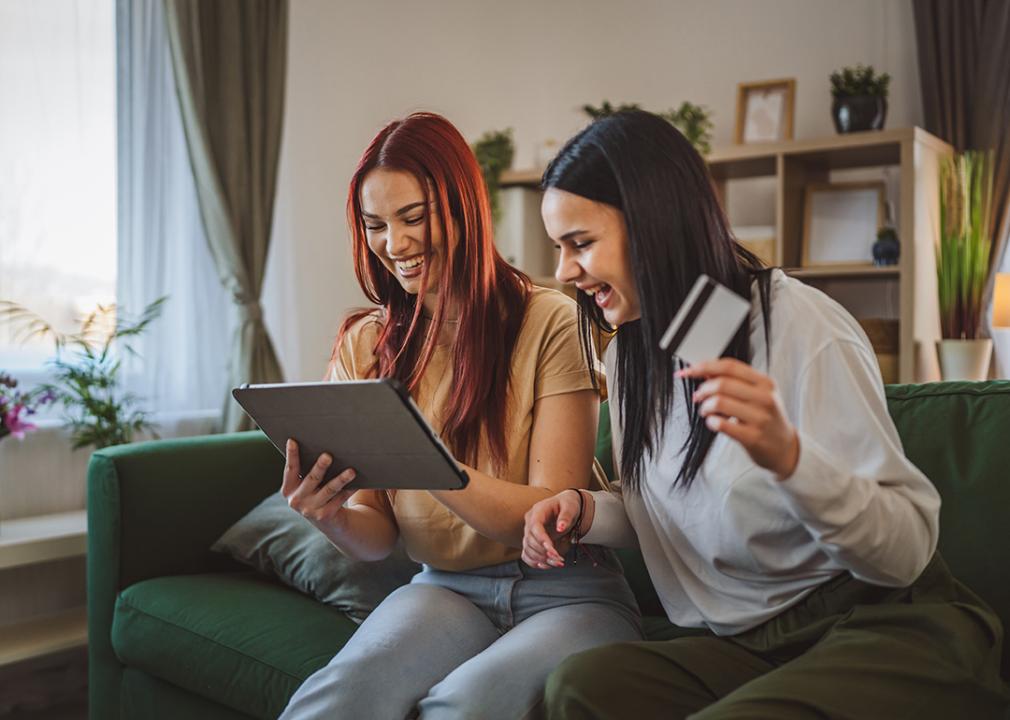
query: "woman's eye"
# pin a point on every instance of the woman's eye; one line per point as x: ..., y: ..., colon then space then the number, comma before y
x: 414, y: 220
x: 583, y: 244
x: 374, y: 228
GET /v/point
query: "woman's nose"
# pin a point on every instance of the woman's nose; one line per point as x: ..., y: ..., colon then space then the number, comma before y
x: 568, y: 270
x: 397, y: 241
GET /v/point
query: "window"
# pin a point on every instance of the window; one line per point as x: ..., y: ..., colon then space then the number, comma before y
x: 58, y: 168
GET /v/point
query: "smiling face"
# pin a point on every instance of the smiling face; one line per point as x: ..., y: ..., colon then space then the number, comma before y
x: 592, y: 238
x: 394, y: 207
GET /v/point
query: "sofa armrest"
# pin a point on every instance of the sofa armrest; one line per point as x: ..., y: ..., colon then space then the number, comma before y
x: 154, y: 509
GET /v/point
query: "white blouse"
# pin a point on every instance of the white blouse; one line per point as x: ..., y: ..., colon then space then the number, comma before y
x: 740, y: 546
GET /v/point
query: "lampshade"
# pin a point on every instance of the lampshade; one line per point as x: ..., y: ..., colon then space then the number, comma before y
x: 1001, y: 301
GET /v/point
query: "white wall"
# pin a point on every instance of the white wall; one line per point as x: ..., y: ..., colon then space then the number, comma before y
x: 529, y: 65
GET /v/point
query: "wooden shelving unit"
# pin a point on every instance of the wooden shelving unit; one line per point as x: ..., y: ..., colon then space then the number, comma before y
x: 43, y: 538
x: 43, y: 636
x: 869, y: 272
x: 793, y: 165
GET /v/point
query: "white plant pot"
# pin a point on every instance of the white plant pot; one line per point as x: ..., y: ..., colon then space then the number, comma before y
x: 964, y: 359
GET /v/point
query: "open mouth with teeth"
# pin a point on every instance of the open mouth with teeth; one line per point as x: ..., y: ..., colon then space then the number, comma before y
x: 601, y: 294
x: 411, y: 267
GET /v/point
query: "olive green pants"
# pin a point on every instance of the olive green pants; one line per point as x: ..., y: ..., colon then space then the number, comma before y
x: 847, y: 650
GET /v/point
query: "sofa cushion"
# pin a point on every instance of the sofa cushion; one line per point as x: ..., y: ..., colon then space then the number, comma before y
x: 239, y: 638
x: 958, y: 434
x: 278, y: 541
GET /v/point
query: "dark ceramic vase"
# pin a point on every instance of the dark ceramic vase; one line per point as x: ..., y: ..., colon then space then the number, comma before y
x: 859, y: 112
x: 886, y: 250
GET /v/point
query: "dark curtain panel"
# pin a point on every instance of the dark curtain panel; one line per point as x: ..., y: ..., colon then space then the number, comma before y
x: 964, y: 68
x: 229, y: 58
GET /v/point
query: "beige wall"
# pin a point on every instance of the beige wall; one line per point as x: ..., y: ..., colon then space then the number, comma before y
x: 528, y: 64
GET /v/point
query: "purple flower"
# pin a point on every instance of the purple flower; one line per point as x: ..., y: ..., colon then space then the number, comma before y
x: 14, y: 424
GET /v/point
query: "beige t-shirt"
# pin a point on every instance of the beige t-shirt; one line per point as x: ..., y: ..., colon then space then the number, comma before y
x: 547, y: 360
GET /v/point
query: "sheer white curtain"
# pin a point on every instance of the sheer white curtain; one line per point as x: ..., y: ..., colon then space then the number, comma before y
x: 162, y: 248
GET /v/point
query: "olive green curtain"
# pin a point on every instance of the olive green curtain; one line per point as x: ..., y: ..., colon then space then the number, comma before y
x: 964, y: 70
x: 229, y: 58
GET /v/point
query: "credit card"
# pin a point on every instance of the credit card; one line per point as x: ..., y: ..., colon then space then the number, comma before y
x: 706, y: 323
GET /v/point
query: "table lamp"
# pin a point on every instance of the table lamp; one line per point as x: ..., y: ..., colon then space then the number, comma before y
x: 1001, y: 321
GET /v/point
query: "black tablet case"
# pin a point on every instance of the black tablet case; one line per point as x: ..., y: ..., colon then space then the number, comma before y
x: 372, y: 426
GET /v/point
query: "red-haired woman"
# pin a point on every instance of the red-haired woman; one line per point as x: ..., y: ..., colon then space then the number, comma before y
x: 495, y: 365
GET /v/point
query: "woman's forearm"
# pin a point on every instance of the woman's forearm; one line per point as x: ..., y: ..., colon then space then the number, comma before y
x: 494, y: 508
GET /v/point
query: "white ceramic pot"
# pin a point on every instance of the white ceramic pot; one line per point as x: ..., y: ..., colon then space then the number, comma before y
x: 964, y: 359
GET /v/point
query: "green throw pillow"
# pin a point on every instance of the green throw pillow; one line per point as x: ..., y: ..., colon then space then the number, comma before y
x: 278, y: 541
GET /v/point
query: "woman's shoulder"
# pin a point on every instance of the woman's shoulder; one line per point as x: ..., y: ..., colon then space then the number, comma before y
x: 807, y: 319
x: 362, y: 324
x: 353, y: 353
x: 547, y: 306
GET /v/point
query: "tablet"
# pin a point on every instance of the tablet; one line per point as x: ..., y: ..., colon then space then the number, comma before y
x: 372, y: 426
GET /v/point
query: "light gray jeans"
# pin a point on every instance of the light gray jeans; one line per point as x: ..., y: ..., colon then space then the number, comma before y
x: 474, y: 644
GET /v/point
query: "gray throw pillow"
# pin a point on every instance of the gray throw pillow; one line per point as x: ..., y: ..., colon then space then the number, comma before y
x: 278, y: 541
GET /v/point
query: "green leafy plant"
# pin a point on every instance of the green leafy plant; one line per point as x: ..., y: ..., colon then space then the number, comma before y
x: 606, y: 108
x: 494, y: 150
x: 694, y: 121
x: 962, y: 258
x: 859, y: 80
x: 86, y: 370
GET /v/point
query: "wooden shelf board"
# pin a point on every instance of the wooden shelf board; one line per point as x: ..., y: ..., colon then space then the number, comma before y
x: 43, y: 635
x: 527, y: 178
x: 25, y: 541
x: 845, y: 272
x: 837, y: 152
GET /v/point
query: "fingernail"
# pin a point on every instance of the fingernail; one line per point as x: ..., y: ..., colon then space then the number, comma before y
x: 326, y: 459
x: 561, y: 527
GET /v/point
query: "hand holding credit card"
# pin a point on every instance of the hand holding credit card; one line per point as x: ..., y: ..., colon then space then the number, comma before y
x: 706, y: 323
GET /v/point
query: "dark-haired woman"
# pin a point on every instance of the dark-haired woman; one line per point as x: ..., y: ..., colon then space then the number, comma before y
x: 767, y: 490
x: 495, y: 366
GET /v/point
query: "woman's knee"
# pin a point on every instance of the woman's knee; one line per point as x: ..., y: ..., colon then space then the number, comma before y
x: 586, y: 680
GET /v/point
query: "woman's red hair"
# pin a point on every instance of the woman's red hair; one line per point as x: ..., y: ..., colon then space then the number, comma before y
x: 488, y: 294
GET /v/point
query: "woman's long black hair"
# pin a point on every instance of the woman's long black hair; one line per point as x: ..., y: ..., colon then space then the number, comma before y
x: 641, y: 165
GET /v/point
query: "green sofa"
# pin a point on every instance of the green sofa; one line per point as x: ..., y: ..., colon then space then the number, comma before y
x: 176, y: 631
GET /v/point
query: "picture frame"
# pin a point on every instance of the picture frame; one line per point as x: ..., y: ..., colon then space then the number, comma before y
x: 765, y: 111
x: 840, y: 222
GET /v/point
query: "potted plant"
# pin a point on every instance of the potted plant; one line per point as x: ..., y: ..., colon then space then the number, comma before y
x: 16, y: 406
x: 962, y: 263
x: 860, y: 99
x: 694, y: 121
x: 494, y: 150
x: 86, y: 372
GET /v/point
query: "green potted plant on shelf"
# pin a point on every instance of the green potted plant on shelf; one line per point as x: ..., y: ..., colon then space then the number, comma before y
x: 962, y: 263
x: 860, y: 98
x: 494, y: 150
x: 694, y: 121
x: 86, y: 371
